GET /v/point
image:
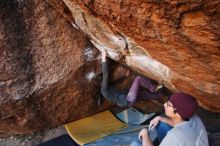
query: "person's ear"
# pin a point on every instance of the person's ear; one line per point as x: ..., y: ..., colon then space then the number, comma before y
x: 178, y: 115
x: 175, y: 111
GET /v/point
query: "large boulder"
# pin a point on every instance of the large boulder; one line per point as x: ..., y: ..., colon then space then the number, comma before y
x: 174, y: 42
x: 48, y: 69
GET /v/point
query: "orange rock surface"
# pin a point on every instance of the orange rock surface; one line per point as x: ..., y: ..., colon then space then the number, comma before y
x: 174, y: 42
x: 49, y: 64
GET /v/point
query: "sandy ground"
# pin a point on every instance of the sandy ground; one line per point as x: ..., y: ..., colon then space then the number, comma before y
x: 34, y: 138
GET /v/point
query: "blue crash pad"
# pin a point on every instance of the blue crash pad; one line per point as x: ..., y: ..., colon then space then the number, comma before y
x: 123, y: 137
x: 133, y: 116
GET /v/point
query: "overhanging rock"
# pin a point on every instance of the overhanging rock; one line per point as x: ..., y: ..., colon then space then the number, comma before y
x: 175, y: 43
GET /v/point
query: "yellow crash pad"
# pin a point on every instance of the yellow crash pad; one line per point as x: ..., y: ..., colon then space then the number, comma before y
x: 94, y: 127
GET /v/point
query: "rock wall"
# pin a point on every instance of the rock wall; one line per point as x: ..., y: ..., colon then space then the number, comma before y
x: 174, y: 42
x: 48, y: 69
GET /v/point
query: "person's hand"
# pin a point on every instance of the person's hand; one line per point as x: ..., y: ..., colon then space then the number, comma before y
x: 143, y: 134
x: 103, y: 55
x: 155, y: 88
x: 154, y: 122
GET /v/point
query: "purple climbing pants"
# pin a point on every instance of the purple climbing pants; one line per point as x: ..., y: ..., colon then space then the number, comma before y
x: 120, y: 98
x: 136, y: 92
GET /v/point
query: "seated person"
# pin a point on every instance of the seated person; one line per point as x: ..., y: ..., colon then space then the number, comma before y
x: 181, y: 127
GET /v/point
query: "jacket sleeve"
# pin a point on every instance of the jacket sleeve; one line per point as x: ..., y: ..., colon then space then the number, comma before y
x: 105, y: 73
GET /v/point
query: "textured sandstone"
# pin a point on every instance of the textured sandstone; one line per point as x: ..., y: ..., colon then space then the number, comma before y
x: 174, y: 42
x: 49, y: 69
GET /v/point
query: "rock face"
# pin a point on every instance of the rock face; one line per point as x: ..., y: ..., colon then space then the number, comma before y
x: 49, y: 69
x: 174, y: 42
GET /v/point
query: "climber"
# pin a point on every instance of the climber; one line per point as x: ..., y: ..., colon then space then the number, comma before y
x: 180, y: 128
x: 121, y: 99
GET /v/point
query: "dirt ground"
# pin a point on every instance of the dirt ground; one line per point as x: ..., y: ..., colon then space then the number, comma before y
x: 34, y: 138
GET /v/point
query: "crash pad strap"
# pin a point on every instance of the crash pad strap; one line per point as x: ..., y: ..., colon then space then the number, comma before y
x: 94, y: 127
